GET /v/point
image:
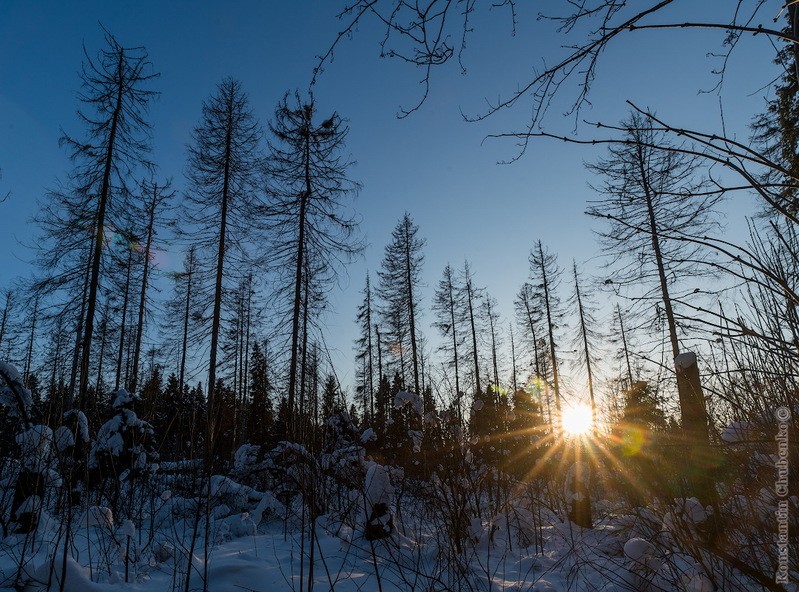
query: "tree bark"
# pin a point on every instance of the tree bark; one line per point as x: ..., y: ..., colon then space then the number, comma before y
x: 105, y: 192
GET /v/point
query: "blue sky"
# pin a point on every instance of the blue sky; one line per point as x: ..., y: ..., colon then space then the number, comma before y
x: 432, y: 164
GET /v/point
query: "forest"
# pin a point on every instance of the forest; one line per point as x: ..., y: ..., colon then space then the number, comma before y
x: 629, y: 426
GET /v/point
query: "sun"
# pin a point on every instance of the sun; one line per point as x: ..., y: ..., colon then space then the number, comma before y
x: 577, y: 420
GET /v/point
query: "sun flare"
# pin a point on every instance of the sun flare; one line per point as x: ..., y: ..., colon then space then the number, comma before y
x: 577, y: 420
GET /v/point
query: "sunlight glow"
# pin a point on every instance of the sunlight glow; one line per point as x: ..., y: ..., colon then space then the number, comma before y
x: 577, y: 420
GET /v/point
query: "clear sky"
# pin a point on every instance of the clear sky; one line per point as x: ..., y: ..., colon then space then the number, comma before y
x: 432, y: 164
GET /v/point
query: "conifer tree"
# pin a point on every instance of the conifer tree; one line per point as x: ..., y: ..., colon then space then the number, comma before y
x: 314, y: 233
x: 223, y: 208
x: 400, y: 279
x: 448, y: 306
x: 365, y: 353
x: 261, y: 413
x: 545, y: 275
x: 80, y: 217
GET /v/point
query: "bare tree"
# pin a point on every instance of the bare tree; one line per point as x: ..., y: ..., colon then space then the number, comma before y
x: 115, y: 144
x: 448, y: 307
x: 586, y: 337
x: 156, y: 196
x: 223, y: 205
x: 651, y: 193
x: 313, y: 232
x: 470, y: 296
x: 545, y: 275
x: 365, y: 351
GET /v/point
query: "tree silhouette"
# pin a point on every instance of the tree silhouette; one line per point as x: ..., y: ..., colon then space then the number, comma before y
x: 314, y: 235
x: 222, y: 205
x: 399, y: 282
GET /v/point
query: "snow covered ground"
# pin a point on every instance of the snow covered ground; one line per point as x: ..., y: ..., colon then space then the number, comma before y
x: 261, y: 550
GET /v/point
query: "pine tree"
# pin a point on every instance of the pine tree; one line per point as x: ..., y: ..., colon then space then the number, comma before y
x: 777, y: 130
x: 96, y: 201
x: 330, y: 398
x: 223, y: 208
x: 261, y: 413
x: 365, y: 352
x: 448, y: 306
x: 154, y: 196
x: 652, y: 201
x: 314, y: 234
x: 545, y: 275
x: 586, y: 338
x: 470, y: 296
x: 399, y: 285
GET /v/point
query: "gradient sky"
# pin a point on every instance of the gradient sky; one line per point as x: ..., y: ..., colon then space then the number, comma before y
x: 432, y: 164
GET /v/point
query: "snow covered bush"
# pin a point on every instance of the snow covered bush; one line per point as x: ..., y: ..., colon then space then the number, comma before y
x: 123, y: 455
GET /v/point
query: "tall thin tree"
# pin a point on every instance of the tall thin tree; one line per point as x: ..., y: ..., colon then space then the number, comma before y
x: 223, y: 205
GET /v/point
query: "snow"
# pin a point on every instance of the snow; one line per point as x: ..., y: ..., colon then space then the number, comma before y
x: 83, y: 423
x: 639, y: 550
x: 740, y: 431
x: 378, y: 488
x: 64, y: 438
x: 368, y: 435
x: 255, y: 542
x: 685, y: 360
x: 403, y: 398
x: 691, y: 510
x: 123, y: 398
x: 696, y: 582
x: 127, y: 529
x: 416, y: 439
x: 30, y: 506
x: 97, y: 516
x: 8, y: 397
x: 245, y: 456
x: 35, y: 444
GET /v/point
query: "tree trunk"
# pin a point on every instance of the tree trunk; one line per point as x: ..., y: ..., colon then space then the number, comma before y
x: 513, y: 359
x: 295, y: 320
x: 411, y: 306
x: 455, y: 348
x: 551, y: 330
x: 469, y: 298
x: 143, y: 295
x: 586, y: 349
x: 123, y: 325
x: 695, y: 427
x: 653, y: 229
x: 185, y: 344
x: 626, y: 349
x: 99, y: 221
x: 220, y: 260
x: 29, y: 357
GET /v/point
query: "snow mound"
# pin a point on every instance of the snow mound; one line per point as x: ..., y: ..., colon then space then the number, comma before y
x: 245, y: 457
x: 34, y: 446
x: 685, y: 360
x: 696, y: 582
x: 416, y: 438
x: 98, y: 516
x: 64, y: 438
x: 12, y: 392
x: 403, y: 398
x: 639, y: 550
x: 691, y: 510
x: 739, y: 431
x: 123, y: 398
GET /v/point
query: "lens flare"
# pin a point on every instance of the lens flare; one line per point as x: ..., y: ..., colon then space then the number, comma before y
x: 577, y: 420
